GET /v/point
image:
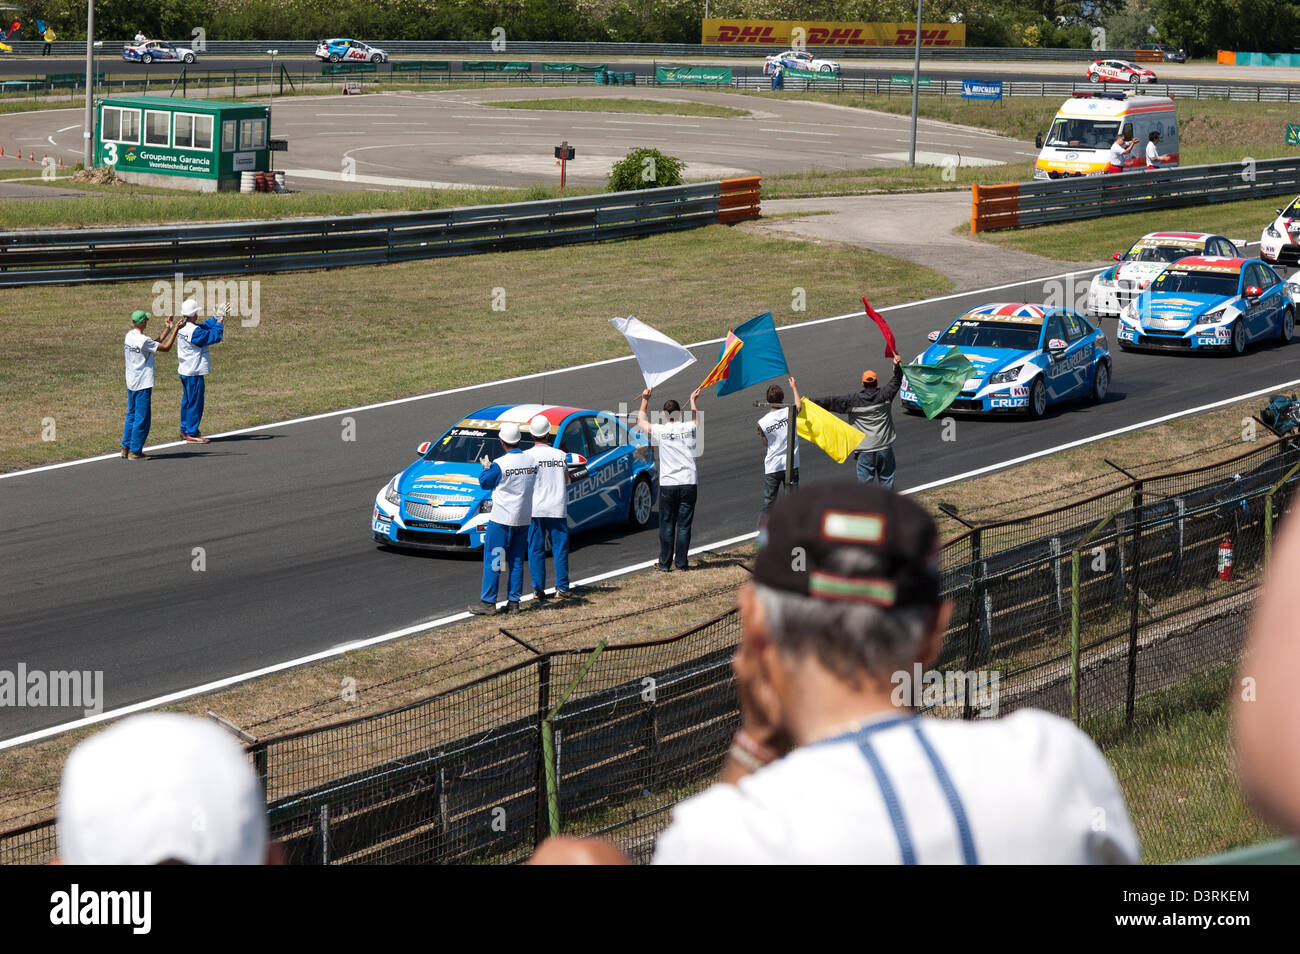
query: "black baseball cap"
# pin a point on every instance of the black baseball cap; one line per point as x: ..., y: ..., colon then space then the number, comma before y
x: 851, y: 542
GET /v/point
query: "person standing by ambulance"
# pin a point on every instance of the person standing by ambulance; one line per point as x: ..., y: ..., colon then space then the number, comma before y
x: 550, y: 512
x: 192, y: 364
x: 505, y: 544
x: 140, y: 349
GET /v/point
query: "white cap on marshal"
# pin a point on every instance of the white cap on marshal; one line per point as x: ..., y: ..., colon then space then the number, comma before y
x: 539, y: 426
x: 189, y: 308
x: 161, y: 787
x: 510, y: 432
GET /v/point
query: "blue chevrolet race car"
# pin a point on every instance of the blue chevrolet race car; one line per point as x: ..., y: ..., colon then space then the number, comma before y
x: 1210, y: 303
x: 436, y: 503
x: 1026, y: 357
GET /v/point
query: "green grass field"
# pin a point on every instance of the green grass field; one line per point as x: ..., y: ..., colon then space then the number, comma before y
x: 657, y: 107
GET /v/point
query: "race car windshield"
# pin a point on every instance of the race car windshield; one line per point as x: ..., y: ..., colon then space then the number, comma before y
x: 1196, y: 283
x: 1159, y: 253
x: 1082, y: 133
x: 466, y: 445
x: 993, y: 334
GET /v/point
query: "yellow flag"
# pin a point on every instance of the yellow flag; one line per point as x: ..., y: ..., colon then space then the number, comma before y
x: 827, y: 431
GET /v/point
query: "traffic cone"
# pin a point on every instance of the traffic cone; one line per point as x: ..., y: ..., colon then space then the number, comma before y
x: 60, y: 162
x: 31, y: 156
x: 2, y: 152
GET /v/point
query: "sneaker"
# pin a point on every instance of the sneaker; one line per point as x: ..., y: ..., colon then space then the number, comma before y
x: 483, y: 609
x: 541, y: 597
x: 662, y: 569
x: 132, y: 455
x: 195, y: 439
x: 512, y: 608
x: 125, y: 452
x: 563, y: 595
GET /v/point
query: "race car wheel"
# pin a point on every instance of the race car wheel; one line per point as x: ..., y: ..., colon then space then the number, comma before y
x: 1287, y: 331
x: 147, y: 58
x: 189, y: 57
x: 1037, y: 398
x: 827, y: 69
x: 1100, y: 383
x: 376, y: 58
x: 1094, y: 78
x: 1238, y: 344
x: 334, y: 57
x: 641, y: 507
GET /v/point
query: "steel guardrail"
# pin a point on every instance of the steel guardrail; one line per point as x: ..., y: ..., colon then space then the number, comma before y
x: 1084, y: 197
x: 77, y: 256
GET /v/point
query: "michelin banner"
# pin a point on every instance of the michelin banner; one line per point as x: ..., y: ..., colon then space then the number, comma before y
x: 799, y: 33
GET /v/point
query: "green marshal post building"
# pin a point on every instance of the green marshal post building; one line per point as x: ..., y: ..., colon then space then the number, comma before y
x: 182, y: 143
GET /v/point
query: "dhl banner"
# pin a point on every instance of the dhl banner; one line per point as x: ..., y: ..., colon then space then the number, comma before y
x: 829, y: 33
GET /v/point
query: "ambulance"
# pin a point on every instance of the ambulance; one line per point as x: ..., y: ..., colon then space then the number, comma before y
x: 1079, y: 141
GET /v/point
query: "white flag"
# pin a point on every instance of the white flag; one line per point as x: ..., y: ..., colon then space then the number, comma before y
x: 659, y: 356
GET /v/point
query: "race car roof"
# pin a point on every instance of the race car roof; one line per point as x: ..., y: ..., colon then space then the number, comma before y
x: 517, y: 413
x: 1201, y: 237
x: 1211, y: 263
x: 1017, y: 312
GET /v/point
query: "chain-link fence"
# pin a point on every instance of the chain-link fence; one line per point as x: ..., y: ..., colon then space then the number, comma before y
x: 1125, y: 611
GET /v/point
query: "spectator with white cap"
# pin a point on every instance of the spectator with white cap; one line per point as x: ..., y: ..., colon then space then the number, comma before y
x: 140, y: 349
x: 831, y: 765
x: 193, y: 364
x: 505, y: 543
x: 162, y: 788
x: 550, y: 523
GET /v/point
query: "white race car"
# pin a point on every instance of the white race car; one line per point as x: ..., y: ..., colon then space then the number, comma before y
x: 1116, y: 286
x: 342, y: 50
x: 1118, y: 71
x: 158, y: 51
x: 799, y: 60
x: 1279, y: 243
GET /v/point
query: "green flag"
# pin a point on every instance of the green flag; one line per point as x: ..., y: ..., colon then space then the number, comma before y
x: 937, y: 385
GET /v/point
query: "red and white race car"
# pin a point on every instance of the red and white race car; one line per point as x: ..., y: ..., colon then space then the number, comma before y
x: 1279, y: 244
x: 1119, y: 71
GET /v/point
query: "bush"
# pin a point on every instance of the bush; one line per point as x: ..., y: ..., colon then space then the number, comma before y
x: 645, y: 169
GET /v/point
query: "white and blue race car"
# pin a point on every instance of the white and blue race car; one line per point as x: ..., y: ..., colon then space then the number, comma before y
x: 158, y: 51
x: 343, y: 50
x: 436, y: 503
x: 799, y: 60
x: 1116, y: 286
x: 1026, y: 357
x: 1214, y: 303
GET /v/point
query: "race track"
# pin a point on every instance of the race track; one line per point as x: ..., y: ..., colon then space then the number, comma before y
x: 95, y: 564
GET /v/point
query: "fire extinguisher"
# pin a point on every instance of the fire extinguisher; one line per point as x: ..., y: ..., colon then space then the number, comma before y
x: 1225, y: 558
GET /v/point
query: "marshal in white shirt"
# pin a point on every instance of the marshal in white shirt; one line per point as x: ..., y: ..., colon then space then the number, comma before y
x: 1030, y: 788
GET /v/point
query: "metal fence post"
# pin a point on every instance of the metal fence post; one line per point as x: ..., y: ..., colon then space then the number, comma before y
x: 1130, y: 695
x: 1074, y: 636
x: 973, y: 617
x: 540, y: 826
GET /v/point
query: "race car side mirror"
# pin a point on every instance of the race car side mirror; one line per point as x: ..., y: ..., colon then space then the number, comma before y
x: 1056, y: 345
x: 424, y: 448
x: 1117, y: 256
x: 933, y: 336
x: 1254, y: 291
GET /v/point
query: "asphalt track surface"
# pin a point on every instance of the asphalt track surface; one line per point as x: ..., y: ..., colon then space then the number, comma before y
x: 96, y: 561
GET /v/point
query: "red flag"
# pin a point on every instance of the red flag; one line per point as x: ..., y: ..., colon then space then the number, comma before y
x: 891, y: 348
x: 722, y: 368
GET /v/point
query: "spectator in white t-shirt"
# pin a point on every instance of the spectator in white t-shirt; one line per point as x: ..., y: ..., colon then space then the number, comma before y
x: 1154, y: 158
x: 1119, y: 151
x: 774, y: 429
x: 193, y: 364
x: 140, y: 37
x: 550, y: 524
x: 139, y: 350
x: 678, y: 442
x: 831, y: 765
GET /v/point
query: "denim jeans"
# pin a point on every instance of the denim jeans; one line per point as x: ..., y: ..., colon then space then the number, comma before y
x: 556, y: 529
x: 135, y: 429
x: 772, y: 487
x: 504, y: 548
x: 676, y: 511
x: 877, y: 465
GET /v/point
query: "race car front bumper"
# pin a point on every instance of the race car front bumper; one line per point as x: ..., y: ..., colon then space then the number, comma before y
x: 1001, y: 399
x: 1280, y: 252
x: 1199, y: 340
x: 389, y: 527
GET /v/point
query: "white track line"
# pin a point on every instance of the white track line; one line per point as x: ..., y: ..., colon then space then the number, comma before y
x: 529, y: 377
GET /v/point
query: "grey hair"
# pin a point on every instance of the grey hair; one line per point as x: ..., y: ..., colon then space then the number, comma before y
x: 852, y: 640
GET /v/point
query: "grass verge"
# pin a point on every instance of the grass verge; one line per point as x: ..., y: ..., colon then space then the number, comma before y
x: 657, y: 107
x: 307, y: 357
